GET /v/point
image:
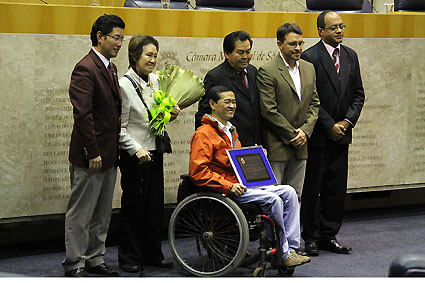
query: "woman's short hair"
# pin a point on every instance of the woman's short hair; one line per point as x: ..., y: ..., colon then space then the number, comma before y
x: 135, y: 47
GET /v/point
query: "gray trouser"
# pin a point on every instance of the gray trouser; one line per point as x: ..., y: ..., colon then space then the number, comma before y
x: 290, y: 172
x: 87, y: 216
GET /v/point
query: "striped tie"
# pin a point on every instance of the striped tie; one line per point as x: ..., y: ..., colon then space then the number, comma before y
x: 111, y: 72
x: 243, y: 76
x: 335, y: 59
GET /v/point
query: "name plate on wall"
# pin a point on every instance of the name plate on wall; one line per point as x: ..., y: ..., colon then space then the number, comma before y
x: 36, y: 114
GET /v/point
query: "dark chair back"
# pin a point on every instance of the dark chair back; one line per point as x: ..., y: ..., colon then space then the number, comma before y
x: 232, y: 5
x: 340, y: 6
x: 409, y: 5
x: 408, y: 266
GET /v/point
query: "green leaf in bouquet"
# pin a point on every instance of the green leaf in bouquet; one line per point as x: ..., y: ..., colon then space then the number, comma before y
x: 161, y: 113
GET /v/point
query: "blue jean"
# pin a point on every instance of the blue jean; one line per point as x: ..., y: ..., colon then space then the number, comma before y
x: 281, y: 204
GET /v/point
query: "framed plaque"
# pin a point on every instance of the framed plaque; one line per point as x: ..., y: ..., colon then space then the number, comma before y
x: 251, y: 166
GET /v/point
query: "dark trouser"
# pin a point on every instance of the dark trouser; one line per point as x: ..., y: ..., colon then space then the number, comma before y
x: 142, y: 204
x: 325, y: 187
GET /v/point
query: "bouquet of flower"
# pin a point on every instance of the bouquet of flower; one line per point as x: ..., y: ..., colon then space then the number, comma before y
x: 176, y: 86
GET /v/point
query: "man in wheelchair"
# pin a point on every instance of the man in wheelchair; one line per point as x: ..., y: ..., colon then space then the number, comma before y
x: 209, y: 166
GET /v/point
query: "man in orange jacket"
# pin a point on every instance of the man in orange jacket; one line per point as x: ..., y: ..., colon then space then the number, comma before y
x: 209, y: 166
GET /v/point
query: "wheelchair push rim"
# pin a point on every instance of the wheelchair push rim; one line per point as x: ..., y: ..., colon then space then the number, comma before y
x: 208, y: 234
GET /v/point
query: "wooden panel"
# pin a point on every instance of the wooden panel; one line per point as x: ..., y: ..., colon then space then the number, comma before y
x: 59, y: 19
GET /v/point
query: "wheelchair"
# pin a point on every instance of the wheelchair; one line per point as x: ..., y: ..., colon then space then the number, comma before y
x: 209, y: 234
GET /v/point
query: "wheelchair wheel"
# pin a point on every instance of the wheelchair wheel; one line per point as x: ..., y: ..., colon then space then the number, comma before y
x: 208, y: 234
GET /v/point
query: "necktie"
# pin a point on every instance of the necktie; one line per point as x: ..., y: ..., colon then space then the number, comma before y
x: 334, y: 57
x: 111, y: 73
x: 243, y: 76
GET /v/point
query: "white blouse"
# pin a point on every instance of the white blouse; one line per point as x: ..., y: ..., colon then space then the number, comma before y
x: 135, y: 133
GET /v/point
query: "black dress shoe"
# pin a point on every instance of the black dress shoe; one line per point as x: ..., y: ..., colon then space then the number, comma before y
x: 163, y: 264
x: 104, y: 270
x: 77, y: 272
x: 311, y: 248
x: 334, y: 246
x: 130, y: 268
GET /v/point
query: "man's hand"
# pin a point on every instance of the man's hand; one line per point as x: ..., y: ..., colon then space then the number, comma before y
x: 143, y: 155
x: 175, y: 112
x: 345, y: 124
x: 95, y: 164
x: 299, y: 140
x: 337, y: 132
x: 238, y: 189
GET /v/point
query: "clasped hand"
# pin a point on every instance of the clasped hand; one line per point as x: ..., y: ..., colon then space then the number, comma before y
x: 238, y: 189
x: 337, y: 132
x: 299, y: 140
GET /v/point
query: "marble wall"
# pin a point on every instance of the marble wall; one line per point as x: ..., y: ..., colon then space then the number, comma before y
x: 36, y: 115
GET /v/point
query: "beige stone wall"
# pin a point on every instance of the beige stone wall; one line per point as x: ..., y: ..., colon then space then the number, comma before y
x: 280, y: 5
x: 380, y: 5
x: 36, y: 115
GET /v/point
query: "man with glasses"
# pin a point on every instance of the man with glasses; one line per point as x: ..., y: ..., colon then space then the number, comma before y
x: 340, y: 89
x: 93, y: 152
x: 289, y: 106
x: 239, y: 76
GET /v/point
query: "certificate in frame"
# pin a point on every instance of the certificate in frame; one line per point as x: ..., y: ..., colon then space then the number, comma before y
x: 251, y: 166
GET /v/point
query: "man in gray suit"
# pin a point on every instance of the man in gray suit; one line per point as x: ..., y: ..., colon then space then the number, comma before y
x: 289, y: 106
x: 93, y: 152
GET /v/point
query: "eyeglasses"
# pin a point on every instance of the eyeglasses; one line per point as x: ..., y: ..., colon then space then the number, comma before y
x: 296, y: 43
x: 335, y: 27
x: 116, y: 38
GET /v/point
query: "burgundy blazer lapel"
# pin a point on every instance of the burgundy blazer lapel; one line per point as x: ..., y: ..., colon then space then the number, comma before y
x: 113, y: 84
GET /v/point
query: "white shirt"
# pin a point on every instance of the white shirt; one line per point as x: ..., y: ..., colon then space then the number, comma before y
x: 331, y: 49
x: 103, y: 58
x: 295, y: 75
x: 226, y: 130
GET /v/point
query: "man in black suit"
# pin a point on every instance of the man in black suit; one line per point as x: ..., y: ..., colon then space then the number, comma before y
x: 239, y: 76
x: 341, y: 95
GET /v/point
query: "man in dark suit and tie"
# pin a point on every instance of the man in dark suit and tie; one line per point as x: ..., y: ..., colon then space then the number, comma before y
x: 93, y: 152
x: 289, y: 106
x: 341, y: 94
x: 239, y: 76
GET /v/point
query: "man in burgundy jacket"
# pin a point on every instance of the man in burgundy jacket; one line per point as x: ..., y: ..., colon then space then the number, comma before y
x: 93, y: 153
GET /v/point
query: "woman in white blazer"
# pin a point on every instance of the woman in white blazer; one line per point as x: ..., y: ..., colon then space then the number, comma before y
x: 141, y: 165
